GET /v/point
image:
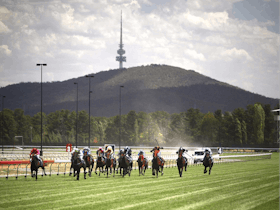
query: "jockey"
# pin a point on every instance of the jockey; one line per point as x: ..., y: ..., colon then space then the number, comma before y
x: 181, y: 149
x: 80, y: 154
x: 157, y: 153
x: 36, y: 152
x: 86, y: 149
x: 207, y: 155
x: 101, y: 150
x: 109, y: 150
x: 141, y: 152
x: 127, y: 151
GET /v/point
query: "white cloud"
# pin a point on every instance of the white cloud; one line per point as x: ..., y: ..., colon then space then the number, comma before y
x: 4, y: 49
x: 234, y: 53
x: 194, y: 34
x: 194, y: 54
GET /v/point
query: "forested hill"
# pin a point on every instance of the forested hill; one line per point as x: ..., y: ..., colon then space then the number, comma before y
x: 146, y: 88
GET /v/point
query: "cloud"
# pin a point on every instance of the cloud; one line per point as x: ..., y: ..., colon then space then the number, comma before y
x: 236, y: 54
x: 4, y: 50
x: 75, y: 37
x: 194, y: 54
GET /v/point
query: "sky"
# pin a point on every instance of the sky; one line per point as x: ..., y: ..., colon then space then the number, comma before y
x: 233, y: 41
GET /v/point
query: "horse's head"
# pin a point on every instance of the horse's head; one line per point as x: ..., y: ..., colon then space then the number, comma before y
x: 85, y: 152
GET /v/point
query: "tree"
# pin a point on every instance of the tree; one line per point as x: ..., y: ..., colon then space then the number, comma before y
x: 9, y: 126
x: 112, y: 130
x: 270, y: 126
x: 209, y: 128
x: 258, y: 123
x: 237, y: 132
x: 228, y: 129
x: 244, y: 132
x: 162, y: 120
x: 129, y: 127
x: 193, y: 124
x: 219, y: 116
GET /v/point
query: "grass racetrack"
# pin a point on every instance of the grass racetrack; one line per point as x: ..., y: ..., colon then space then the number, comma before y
x: 238, y: 185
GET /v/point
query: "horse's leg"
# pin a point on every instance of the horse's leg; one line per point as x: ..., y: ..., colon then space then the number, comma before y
x: 85, y: 172
x: 161, y: 170
x: 157, y: 170
x: 210, y: 168
x: 43, y: 173
x: 205, y: 171
x: 36, y: 173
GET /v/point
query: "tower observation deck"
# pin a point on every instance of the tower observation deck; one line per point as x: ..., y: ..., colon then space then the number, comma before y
x: 120, y: 51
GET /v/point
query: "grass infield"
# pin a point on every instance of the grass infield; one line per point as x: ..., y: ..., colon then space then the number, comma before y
x: 238, y: 185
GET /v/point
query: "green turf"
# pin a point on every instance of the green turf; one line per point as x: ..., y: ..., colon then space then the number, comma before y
x: 240, y: 185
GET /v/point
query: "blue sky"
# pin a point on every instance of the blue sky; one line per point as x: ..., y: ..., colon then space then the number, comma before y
x: 233, y: 41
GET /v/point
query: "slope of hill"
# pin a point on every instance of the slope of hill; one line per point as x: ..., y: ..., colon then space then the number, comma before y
x: 147, y: 88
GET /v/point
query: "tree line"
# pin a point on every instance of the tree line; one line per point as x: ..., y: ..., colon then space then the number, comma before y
x: 253, y: 126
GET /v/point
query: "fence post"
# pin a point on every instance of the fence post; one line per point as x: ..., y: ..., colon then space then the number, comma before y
x: 17, y: 171
x: 58, y: 169
x: 65, y: 169
x: 51, y: 169
x: 26, y: 170
x: 8, y: 171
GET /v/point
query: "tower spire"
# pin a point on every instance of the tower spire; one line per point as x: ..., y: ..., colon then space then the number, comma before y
x: 121, y: 52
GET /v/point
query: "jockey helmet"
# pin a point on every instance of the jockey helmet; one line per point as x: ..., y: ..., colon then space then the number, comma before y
x: 100, y: 148
x: 109, y: 148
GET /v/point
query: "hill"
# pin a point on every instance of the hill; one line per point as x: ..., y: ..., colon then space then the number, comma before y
x: 146, y: 88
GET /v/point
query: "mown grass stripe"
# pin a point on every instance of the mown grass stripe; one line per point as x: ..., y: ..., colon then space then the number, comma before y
x: 206, y: 190
x: 111, y: 193
x: 144, y: 184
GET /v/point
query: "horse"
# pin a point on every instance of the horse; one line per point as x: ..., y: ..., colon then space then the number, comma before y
x: 110, y: 162
x: 119, y: 163
x: 157, y: 163
x: 100, y: 162
x: 207, y: 162
x: 89, y: 162
x: 142, y: 164
x: 125, y: 163
x: 35, y: 164
x: 78, y: 163
x: 72, y: 163
x: 181, y: 162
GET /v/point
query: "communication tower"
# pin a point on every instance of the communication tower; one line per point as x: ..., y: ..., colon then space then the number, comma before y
x: 120, y: 51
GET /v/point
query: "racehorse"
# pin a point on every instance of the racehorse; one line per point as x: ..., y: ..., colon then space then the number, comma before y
x: 89, y: 162
x: 35, y: 164
x: 142, y: 164
x: 77, y: 165
x: 110, y: 162
x: 157, y: 164
x: 100, y: 162
x: 181, y: 162
x: 125, y: 163
x: 119, y: 163
x: 72, y: 163
x: 207, y: 162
